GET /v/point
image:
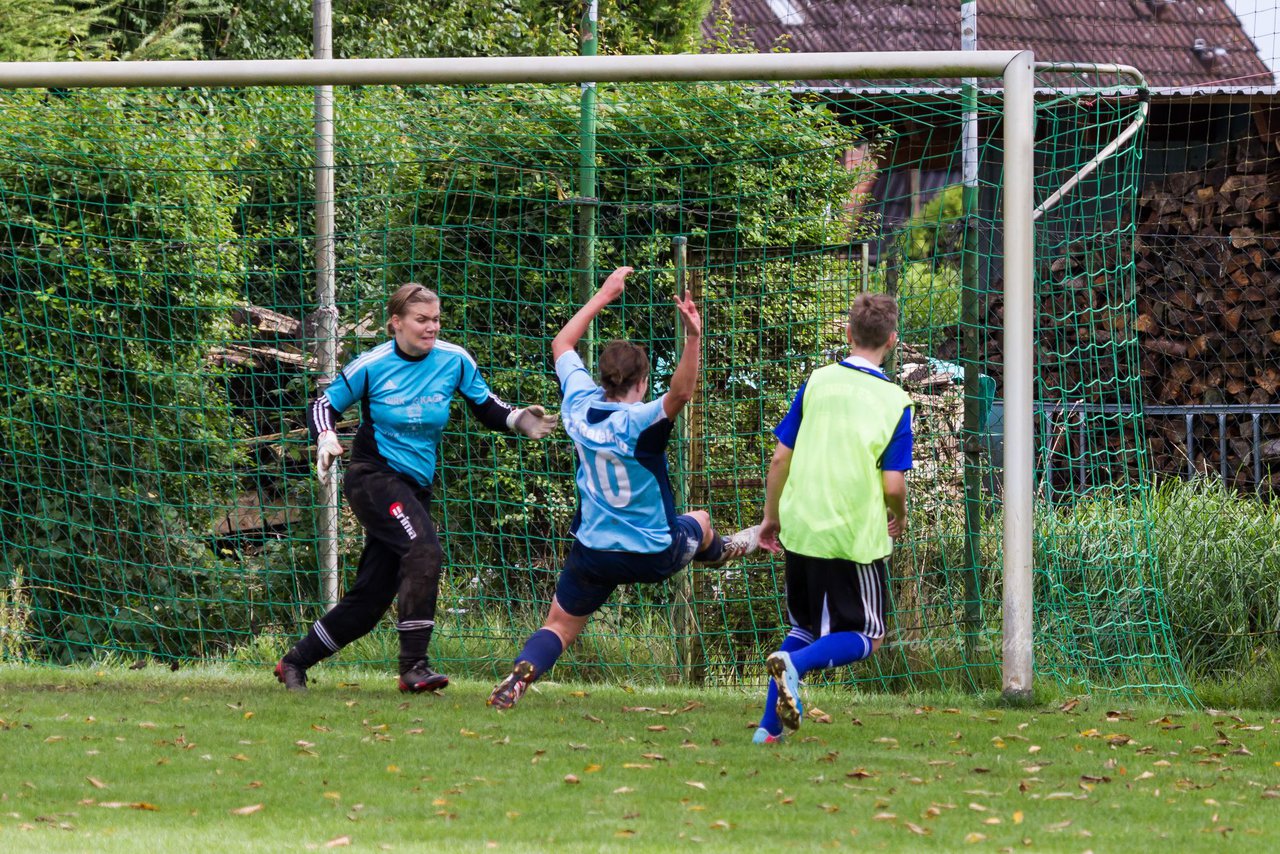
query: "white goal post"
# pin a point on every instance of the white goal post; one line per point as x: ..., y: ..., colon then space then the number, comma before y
x: 1016, y: 70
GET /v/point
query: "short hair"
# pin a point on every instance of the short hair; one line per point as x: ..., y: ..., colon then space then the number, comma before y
x: 622, y: 365
x: 872, y: 319
x: 405, y: 296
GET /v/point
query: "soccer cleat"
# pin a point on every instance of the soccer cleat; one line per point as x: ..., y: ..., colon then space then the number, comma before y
x: 763, y: 736
x: 291, y: 676
x: 509, y: 691
x: 736, y: 545
x: 784, y: 674
x: 420, y: 677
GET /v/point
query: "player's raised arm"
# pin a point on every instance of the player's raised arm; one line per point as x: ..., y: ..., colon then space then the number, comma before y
x: 571, y: 333
x: 684, y: 382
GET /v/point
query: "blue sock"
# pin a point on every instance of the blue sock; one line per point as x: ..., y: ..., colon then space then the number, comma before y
x: 541, y: 650
x: 832, y: 650
x: 712, y: 552
x: 792, y: 643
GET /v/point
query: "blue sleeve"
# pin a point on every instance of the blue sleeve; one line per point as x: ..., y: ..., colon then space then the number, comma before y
x: 573, y: 375
x: 897, y: 457
x: 470, y: 383
x: 347, y: 388
x: 789, y: 428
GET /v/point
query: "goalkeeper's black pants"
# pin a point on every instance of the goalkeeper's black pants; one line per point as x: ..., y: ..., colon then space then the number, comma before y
x: 401, y: 561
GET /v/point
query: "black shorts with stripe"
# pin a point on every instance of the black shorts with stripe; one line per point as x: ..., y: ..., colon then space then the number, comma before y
x: 826, y: 595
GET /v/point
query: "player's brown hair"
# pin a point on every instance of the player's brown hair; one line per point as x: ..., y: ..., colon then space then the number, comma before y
x: 872, y: 319
x: 405, y: 296
x: 622, y: 365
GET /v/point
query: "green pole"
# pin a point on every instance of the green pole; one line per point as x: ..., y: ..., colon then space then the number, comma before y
x: 684, y: 617
x: 969, y: 345
x: 587, y: 201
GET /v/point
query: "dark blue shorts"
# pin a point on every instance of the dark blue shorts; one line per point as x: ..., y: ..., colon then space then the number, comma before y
x: 590, y: 576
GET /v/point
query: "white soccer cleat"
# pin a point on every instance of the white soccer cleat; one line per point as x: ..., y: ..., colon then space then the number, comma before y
x: 738, y: 545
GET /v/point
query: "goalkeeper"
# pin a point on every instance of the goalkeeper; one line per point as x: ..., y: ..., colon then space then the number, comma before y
x: 404, y: 387
x: 836, y: 497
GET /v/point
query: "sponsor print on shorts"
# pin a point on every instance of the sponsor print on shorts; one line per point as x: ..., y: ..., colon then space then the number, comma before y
x: 397, y: 510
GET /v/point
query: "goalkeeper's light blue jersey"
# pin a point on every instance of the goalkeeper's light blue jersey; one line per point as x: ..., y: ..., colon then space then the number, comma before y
x: 405, y: 401
x: 624, y: 494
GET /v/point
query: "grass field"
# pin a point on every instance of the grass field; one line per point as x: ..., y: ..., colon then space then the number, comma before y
x: 114, y: 760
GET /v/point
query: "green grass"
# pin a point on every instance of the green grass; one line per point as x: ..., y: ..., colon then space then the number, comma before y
x: 353, y: 760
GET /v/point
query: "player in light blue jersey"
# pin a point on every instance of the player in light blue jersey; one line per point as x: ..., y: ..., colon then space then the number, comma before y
x: 404, y: 388
x: 626, y: 529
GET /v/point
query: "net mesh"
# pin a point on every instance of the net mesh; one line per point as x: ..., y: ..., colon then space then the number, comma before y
x: 159, y: 344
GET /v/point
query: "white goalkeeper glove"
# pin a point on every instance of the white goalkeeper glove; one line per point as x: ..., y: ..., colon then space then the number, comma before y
x: 328, y: 449
x: 532, y: 421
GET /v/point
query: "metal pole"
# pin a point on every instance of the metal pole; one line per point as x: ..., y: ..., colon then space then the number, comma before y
x: 527, y: 69
x: 322, y: 47
x: 587, y: 201
x: 969, y: 344
x: 1019, y: 355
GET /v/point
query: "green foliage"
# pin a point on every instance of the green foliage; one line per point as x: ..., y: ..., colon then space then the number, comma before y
x: 273, y: 29
x: 53, y: 30
x: 1210, y: 552
x: 929, y: 282
x: 59, y: 30
x: 111, y: 414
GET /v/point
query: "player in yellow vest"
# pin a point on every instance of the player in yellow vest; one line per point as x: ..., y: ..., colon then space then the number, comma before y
x: 836, y: 498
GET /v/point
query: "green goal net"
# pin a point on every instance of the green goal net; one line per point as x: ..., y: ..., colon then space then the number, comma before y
x: 159, y: 339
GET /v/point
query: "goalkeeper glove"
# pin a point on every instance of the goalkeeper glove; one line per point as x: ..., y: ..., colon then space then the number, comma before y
x: 532, y: 421
x: 328, y: 449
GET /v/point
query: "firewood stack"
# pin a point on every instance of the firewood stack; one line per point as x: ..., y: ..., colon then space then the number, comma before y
x: 1208, y: 284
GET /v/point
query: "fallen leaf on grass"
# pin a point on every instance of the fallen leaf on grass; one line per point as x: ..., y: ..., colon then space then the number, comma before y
x: 975, y: 837
x: 720, y: 825
x: 884, y: 816
x: 916, y: 829
x: 862, y: 774
x: 593, y: 718
x: 249, y: 810
x: 96, y: 783
x: 656, y: 757
x: 136, y: 805
x: 696, y: 784
x: 592, y: 768
x: 571, y: 779
x: 623, y: 790
x: 656, y: 728
x: 818, y: 716
x: 338, y: 842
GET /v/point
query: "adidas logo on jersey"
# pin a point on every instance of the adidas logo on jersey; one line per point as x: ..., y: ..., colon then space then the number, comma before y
x: 397, y: 510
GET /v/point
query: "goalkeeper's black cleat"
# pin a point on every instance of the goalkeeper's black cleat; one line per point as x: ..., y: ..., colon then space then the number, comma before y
x: 509, y: 691
x: 420, y: 677
x: 291, y: 676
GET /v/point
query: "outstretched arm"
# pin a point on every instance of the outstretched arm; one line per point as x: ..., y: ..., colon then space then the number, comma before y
x: 779, y: 471
x: 684, y: 382
x: 571, y: 333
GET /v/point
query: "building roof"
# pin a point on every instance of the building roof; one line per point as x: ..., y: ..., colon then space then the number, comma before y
x: 1159, y: 37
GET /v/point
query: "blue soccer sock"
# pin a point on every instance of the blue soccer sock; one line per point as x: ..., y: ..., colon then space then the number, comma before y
x: 833, y: 650
x: 542, y: 649
x: 795, y: 641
